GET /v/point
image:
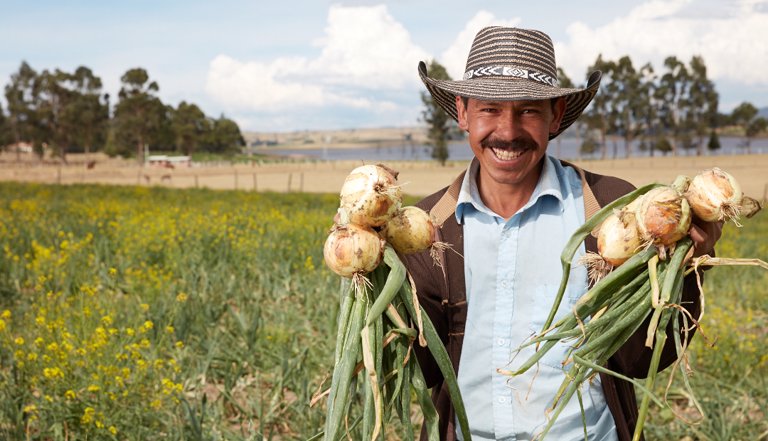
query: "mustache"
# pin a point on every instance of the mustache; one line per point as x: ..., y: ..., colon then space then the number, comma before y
x: 514, y: 144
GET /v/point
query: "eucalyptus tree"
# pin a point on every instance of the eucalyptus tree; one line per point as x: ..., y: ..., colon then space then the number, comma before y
x: 701, y: 116
x: 671, y: 94
x: 139, y: 114
x: 190, y: 127
x: 20, y: 94
x: 439, y: 123
x: 225, y: 136
x: 87, y: 115
x: 630, y: 102
x: 5, y: 129
x: 600, y: 117
x: 51, y: 103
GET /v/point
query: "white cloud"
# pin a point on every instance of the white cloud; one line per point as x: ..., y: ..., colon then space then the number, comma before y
x: 732, y: 39
x: 455, y: 57
x: 366, y: 47
x: 364, y: 50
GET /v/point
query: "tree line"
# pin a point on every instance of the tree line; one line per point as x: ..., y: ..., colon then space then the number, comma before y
x: 68, y: 112
x: 663, y: 111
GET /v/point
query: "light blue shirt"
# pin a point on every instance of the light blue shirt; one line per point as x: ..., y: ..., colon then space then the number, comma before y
x: 512, y: 269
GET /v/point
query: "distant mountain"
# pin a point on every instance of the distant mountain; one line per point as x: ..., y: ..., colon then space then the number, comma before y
x: 763, y: 112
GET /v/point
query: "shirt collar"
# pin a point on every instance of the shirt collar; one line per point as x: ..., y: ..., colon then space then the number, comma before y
x: 550, y: 184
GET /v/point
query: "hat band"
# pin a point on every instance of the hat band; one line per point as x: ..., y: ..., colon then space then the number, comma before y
x: 507, y: 71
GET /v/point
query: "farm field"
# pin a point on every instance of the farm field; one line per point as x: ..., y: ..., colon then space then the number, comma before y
x: 155, y: 313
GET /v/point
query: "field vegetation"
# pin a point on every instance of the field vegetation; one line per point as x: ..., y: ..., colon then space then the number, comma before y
x: 132, y: 313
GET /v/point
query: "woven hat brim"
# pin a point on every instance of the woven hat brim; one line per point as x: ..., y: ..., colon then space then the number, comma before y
x: 504, y: 89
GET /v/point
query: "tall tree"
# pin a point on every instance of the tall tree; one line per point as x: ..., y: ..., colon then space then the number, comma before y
x: 87, y: 115
x: 190, y: 127
x: 52, y: 100
x: 703, y: 100
x: 22, y: 117
x: 139, y: 114
x: 5, y: 129
x: 439, y: 123
x: 630, y: 100
x: 225, y: 137
x: 599, y: 116
x: 672, y: 95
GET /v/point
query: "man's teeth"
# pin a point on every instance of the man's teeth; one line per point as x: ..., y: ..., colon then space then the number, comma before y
x: 506, y: 155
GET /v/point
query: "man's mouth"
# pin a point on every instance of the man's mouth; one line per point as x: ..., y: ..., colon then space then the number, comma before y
x: 507, y: 155
x: 508, y: 150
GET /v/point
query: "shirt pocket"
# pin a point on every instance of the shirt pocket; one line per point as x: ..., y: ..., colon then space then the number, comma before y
x: 541, y: 307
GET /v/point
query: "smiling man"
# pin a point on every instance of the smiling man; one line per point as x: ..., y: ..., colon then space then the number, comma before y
x: 508, y: 218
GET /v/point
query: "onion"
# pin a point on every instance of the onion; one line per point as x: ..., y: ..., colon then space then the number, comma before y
x: 352, y: 250
x: 370, y: 196
x: 410, y: 230
x: 663, y: 217
x: 619, y: 238
x: 714, y: 195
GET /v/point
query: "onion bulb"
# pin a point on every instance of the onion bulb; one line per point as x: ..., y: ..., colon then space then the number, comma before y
x: 370, y: 196
x: 352, y: 250
x: 619, y: 238
x: 714, y: 195
x: 410, y: 230
x: 663, y: 217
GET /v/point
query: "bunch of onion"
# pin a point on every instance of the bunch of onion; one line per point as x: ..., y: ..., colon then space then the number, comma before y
x: 379, y: 315
x: 642, y: 293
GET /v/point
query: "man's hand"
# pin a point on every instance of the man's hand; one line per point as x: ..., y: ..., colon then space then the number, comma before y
x: 704, y: 235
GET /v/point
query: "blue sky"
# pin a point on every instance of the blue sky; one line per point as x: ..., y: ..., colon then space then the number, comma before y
x: 314, y: 64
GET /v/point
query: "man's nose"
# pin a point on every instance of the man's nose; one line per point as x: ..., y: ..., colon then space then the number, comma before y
x: 508, y: 126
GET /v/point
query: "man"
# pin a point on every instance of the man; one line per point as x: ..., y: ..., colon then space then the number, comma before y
x: 508, y: 218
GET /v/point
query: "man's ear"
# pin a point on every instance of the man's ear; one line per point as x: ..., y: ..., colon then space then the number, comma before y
x: 558, y: 110
x: 461, y: 112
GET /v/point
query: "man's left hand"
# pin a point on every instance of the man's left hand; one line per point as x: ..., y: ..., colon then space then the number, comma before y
x: 704, y: 235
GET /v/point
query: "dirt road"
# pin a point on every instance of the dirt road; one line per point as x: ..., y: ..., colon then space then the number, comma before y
x: 418, y: 178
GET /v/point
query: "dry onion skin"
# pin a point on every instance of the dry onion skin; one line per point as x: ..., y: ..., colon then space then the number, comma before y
x: 410, y: 230
x: 663, y: 217
x: 619, y: 238
x: 370, y: 196
x: 714, y: 195
x: 352, y: 250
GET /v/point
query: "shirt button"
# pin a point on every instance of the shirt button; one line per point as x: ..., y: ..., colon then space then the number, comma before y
x: 504, y: 284
x: 500, y: 342
x: 502, y: 400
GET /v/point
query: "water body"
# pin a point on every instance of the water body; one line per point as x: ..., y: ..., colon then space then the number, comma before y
x: 565, y: 148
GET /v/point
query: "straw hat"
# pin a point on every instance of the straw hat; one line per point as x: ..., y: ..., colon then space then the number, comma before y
x: 510, y: 64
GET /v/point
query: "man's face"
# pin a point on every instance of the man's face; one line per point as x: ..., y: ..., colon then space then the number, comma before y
x: 509, y: 138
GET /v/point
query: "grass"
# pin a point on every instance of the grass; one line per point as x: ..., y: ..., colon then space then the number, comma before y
x: 151, y: 313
